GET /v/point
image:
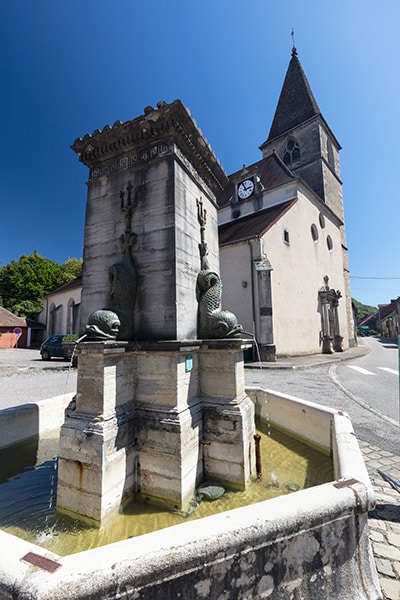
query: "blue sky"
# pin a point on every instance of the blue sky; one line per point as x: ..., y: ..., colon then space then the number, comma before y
x: 68, y: 68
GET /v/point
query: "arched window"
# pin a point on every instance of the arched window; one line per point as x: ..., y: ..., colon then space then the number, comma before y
x: 321, y: 220
x: 291, y: 153
x: 314, y: 232
x: 286, y: 237
x: 329, y: 242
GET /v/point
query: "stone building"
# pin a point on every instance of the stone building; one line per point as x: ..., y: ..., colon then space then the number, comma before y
x: 282, y: 243
x: 282, y: 237
x: 61, y: 308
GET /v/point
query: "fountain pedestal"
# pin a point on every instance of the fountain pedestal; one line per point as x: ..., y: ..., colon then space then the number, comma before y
x: 97, y: 441
x: 155, y: 419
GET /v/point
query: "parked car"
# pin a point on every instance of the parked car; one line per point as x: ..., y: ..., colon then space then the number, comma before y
x: 59, y: 345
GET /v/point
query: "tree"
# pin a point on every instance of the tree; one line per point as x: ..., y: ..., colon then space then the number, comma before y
x: 363, y: 310
x: 71, y: 269
x: 25, y: 282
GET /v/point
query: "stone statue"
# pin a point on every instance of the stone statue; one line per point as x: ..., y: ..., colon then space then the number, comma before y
x: 103, y: 324
x: 117, y: 320
x: 330, y: 332
x: 212, y: 321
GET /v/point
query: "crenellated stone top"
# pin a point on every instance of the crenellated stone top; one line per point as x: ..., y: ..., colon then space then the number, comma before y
x: 167, y: 122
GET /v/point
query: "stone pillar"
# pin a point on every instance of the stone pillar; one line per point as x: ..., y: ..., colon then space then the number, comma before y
x: 267, y: 347
x: 97, y: 444
x: 169, y: 426
x: 228, y: 414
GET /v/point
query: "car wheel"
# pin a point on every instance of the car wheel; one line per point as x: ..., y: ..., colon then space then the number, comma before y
x: 46, y: 355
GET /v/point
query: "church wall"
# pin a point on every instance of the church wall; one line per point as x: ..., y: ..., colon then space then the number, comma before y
x: 298, y: 272
x: 235, y: 261
x: 332, y: 191
x: 271, y: 197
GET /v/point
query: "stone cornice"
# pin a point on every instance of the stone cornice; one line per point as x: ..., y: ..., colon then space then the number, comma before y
x: 168, y: 122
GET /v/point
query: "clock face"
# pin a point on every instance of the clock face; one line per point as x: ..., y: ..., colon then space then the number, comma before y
x: 245, y: 189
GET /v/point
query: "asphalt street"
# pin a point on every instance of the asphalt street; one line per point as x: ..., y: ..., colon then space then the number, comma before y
x: 25, y: 377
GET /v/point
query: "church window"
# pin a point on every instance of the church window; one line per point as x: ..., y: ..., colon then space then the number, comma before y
x: 331, y: 157
x: 329, y: 242
x: 291, y: 153
x: 321, y: 220
x: 314, y: 232
x: 286, y: 237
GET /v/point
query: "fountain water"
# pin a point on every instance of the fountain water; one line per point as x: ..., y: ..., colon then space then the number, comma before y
x: 161, y: 403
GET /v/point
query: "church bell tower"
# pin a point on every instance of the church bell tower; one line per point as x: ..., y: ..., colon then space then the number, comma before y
x: 303, y: 139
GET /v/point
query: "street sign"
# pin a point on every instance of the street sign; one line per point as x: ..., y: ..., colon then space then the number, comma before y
x: 17, y: 330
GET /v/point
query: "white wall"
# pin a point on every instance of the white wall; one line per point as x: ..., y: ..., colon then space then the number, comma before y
x: 298, y: 271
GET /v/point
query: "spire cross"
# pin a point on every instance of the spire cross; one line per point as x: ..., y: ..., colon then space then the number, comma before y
x: 294, y: 50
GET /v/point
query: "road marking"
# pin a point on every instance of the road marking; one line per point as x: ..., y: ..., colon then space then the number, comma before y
x: 389, y: 370
x: 361, y: 370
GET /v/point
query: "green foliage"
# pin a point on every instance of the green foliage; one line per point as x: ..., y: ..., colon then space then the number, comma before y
x: 25, y: 282
x: 28, y: 308
x: 364, y: 309
x: 71, y: 337
x: 71, y: 269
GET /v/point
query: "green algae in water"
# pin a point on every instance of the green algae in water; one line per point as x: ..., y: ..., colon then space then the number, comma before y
x: 28, y: 486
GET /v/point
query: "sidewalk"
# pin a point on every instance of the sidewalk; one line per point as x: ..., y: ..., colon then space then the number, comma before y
x: 310, y: 360
x: 384, y: 520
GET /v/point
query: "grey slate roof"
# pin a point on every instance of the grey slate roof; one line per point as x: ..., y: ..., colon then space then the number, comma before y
x: 296, y: 103
x: 271, y: 170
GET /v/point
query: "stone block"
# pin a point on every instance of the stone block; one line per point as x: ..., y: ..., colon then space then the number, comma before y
x: 221, y: 374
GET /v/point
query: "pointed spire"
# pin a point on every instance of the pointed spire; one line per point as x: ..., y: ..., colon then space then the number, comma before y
x: 296, y: 102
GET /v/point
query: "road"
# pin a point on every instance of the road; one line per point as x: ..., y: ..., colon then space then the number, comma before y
x: 374, y: 378
x: 322, y: 385
x: 25, y: 378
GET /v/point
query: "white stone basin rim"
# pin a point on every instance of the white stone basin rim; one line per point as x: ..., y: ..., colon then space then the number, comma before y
x: 325, y: 428
x: 287, y: 547
x: 20, y: 423
x: 293, y: 530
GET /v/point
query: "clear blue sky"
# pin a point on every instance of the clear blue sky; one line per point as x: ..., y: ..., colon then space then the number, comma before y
x: 68, y: 68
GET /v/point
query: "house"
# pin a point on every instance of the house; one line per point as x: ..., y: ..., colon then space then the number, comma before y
x: 61, y: 308
x: 18, y: 331
x: 283, y: 252
x: 388, y: 319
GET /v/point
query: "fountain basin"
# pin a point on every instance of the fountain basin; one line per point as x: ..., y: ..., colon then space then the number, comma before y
x: 309, y: 544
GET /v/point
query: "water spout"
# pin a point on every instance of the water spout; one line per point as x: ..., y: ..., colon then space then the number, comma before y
x: 252, y: 335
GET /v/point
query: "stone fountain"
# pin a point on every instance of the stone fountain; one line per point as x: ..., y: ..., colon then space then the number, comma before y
x: 161, y: 405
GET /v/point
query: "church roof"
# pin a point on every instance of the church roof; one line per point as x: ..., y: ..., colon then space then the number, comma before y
x: 254, y: 225
x: 296, y: 102
x: 271, y: 170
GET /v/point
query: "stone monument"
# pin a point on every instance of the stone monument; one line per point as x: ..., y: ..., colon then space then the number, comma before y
x: 161, y: 404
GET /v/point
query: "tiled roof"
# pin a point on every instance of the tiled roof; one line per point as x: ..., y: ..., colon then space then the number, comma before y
x: 271, y: 170
x: 254, y: 225
x: 8, y: 319
x: 296, y: 102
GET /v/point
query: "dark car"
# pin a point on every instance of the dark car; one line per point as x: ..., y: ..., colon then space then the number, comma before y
x: 55, y: 347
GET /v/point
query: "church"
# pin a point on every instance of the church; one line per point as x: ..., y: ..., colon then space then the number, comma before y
x: 283, y: 253
x: 276, y: 229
